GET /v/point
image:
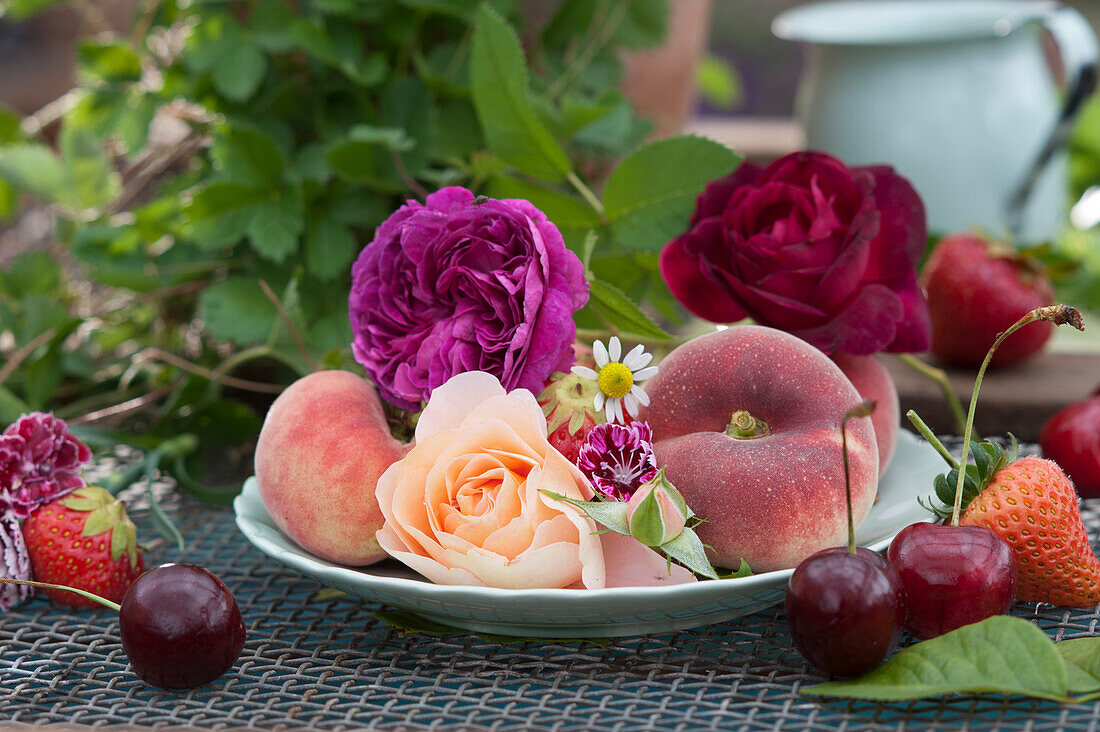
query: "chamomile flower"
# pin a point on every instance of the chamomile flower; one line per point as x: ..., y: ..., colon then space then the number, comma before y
x: 619, y: 391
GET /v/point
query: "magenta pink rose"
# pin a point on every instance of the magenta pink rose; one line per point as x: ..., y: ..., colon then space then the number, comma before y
x: 810, y: 246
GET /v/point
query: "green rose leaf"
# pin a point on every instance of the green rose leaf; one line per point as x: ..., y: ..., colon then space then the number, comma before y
x: 330, y: 247
x: 239, y: 71
x: 247, y: 157
x: 275, y: 227
x: 650, y: 196
x: 110, y: 61
x: 237, y: 310
x: 611, y: 514
x: 999, y: 655
x: 688, y: 550
x: 220, y: 214
x: 499, y: 84
x: 616, y: 308
x: 93, y: 177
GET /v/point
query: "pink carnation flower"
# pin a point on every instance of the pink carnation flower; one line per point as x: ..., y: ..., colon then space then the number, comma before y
x: 618, y: 459
x: 39, y: 461
x: 15, y: 563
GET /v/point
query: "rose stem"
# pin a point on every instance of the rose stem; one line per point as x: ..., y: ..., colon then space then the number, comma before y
x: 1057, y: 314
x: 863, y: 409
x: 83, y: 593
x: 940, y: 377
x: 934, y: 441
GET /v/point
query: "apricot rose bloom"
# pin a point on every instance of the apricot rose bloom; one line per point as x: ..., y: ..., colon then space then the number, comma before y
x: 465, y: 506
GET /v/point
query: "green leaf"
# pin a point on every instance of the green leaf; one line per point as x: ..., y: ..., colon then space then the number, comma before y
x: 391, y: 138
x: 220, y: 214
x: 275, y: 228
x: 499, y: 85
x: 94, y: 179
x: 742, y: 571
x: 718, y: 82
x: 34, y: 168
x: 41, y: 378
x: 109, y: 61
x: 11, y: 406
x: 10, y: 125
x: 650, y: 196
x: 269, y: 24
x: 237, y: 310
x: 635, y: 24
x: 688, y: 550
x: 353, y: 160
x: 611, y: 514
x: 239, y: 71
x: 23, y: 9
x: 999, y: 655
x: 330, y: 247
x: 1082, y: 657
x: 620, y: 311
x: 565, y: 211
x: 247, y: 157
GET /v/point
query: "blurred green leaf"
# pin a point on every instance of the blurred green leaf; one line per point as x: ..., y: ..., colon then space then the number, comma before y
x: 108, y: 60
x: 94, y: 179
x: 247, y: 157
x: 651, y: 194
x: 36, y: 169
x: 23, y: 9
x: 220, y: 213
x: 718, y: 82
x: 237, y: 310
x: 275, y: 228
x: 330, y: 247
x: 498, y: 76
x: 239, y: 71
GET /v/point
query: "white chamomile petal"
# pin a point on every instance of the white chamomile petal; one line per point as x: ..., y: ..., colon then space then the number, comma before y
x: 585, y: 373
x: 615, y: 405
x: 639, y: 393
x: 636, y: 359
x: 615, y: 348
x: 599, y: 352
x: 647, y: 373
x: 598, y: 402
x: 631, y: 404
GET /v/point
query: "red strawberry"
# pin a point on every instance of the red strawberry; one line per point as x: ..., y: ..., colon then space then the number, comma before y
x: 84, y: 540
x: 568, y: 401
x: 977, y: 289
x: 1032, y: 505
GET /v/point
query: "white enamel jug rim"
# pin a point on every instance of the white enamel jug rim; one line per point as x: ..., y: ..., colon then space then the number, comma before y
x: 891, y: 22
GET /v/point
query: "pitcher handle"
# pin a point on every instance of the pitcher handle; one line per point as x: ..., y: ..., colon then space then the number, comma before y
x: 1080, y: 54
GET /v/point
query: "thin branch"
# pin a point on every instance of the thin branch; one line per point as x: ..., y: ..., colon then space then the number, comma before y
x: 45, y: 116
x: 123, y: 407
x: 406, y: 177
x: 155, y: 354
x: 23, y: 353
x: 289, y: 324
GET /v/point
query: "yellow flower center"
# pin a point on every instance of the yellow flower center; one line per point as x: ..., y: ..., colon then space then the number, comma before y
x: 615, y: 380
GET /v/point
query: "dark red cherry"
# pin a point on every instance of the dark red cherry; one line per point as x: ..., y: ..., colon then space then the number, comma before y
x: 846, y: 610
x: 952, y: 575
x: 180, y: 626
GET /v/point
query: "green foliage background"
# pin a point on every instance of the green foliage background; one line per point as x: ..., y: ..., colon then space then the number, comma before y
x: 298, y: 127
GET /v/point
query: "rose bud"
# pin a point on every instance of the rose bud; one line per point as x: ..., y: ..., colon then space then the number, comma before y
x: 657, y: 513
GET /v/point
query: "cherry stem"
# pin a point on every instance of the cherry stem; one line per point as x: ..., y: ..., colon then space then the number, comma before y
x: 47, y: 586
x: 940, y: 377
x: 863, y: 409
x: 1057, y: 314
x: 934, y: 441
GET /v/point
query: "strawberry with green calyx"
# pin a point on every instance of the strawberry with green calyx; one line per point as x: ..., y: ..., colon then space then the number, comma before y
x: 84, y: 540
x: 656, y: 516
x: 568, y: 403
x: 966, y: 570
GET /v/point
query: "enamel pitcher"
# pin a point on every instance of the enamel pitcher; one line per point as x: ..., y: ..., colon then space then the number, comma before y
x: 957, y: 95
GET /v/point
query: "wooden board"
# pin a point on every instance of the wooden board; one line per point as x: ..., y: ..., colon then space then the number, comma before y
x: 1016, y: 399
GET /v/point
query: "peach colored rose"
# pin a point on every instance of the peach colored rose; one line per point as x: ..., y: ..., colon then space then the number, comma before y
x: 465, y: 506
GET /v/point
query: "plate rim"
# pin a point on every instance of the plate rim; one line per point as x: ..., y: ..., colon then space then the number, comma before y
x: 703, y: 588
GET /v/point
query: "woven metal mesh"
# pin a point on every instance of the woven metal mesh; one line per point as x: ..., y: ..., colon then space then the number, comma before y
x: 330, y: 664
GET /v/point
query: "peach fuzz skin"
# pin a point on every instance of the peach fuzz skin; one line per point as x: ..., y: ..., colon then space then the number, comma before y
x: 323, y: 446
x: 773, y: 500
x: 873, y: 381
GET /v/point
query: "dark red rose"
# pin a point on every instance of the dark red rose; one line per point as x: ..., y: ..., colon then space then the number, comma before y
x: 810, y: 246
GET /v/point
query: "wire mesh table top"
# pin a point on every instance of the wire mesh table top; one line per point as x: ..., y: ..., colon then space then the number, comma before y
x: 316, y: 661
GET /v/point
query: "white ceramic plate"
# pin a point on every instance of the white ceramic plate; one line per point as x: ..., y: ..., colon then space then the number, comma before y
x: 590, y: 613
